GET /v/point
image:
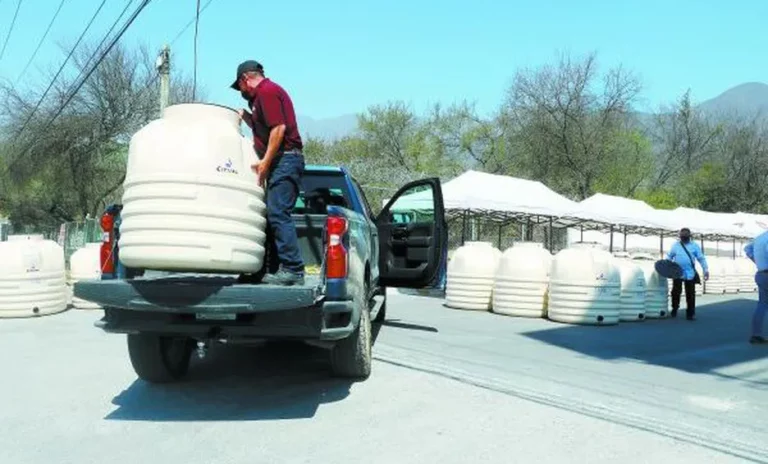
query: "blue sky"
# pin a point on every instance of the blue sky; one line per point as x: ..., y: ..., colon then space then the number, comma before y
x: 337, y: 57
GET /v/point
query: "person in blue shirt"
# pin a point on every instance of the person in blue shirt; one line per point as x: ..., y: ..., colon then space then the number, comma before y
x: 757, y: 251
x: 686, y: 262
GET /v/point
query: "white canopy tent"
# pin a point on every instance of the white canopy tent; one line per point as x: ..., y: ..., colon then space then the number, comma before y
x: 495, y: 197
x: 608, y: 212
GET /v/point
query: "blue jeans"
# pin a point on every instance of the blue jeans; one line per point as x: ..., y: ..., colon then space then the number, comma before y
x: 761, y: 279
x: 283, y: 185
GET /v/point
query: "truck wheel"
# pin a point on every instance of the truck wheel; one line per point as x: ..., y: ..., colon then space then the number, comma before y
x: 382, y: 314
x: 159, y: 359
x: 351, y: 357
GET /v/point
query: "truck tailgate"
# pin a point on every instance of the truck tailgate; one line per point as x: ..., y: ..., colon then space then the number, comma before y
x: 197, y: 293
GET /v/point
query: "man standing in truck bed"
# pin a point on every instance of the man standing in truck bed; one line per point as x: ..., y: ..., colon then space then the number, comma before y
x: 278, y: 144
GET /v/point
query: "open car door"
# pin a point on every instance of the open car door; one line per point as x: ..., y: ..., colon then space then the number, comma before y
x: 413, y: 236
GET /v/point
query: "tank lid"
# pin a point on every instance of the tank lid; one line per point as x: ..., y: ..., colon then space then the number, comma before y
x: 202, y: 111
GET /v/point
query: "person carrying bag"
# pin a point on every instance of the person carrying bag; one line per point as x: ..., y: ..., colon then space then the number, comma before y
x: 690, y: 277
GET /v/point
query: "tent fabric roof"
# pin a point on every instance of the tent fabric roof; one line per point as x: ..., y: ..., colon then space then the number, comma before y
x: 600, y: 210
x: 503, y: 197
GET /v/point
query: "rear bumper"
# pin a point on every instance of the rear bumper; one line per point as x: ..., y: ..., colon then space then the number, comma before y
x: 328, y: 321
x: 217, y: 307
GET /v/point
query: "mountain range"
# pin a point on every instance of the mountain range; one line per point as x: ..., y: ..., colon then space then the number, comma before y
x: 746, y: 99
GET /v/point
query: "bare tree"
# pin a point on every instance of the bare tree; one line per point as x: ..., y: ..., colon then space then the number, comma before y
x: 685, y: 139
x: 566, y: 118
x: 63, y: 169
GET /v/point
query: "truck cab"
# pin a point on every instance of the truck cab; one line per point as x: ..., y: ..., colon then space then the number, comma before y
x: 351, y: 256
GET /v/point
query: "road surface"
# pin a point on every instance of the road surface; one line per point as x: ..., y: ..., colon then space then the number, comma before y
x: 448, y: 387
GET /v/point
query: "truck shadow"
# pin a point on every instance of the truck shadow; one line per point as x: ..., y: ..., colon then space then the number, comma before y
x: 712, y: 345
x: 247, y: 383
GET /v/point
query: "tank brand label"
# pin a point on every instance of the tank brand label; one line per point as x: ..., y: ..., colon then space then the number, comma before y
x: 227, y: 167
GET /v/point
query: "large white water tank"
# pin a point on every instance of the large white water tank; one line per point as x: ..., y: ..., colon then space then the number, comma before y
x: 471, y: 273
x: 585, y: 286
x: 191, y: 200
x: 522, y: 279
x: 746, y: 271
x: 32, y: 277
x: 657, y: 288
x: 85, y: 264
x: 718, y: 271
x: 632, y: 301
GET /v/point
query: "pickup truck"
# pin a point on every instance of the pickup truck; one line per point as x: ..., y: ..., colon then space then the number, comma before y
x: 351, y: 257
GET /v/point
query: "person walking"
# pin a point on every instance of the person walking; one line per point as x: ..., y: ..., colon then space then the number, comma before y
x: 281, y: 163
x: 683, y: 253
x: 757, y: 251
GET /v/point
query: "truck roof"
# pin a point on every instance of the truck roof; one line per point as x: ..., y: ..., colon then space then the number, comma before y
x: 323, y: 168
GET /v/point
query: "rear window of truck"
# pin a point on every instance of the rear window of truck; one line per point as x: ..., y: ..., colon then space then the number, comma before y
x: 319, y: 190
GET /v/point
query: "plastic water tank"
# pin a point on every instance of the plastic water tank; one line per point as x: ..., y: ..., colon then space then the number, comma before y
x: 585, y: 286
x: 632, y: 301
x: 471, y: 274
x: 732, y: 278
x: 32, y: 277
x: 522, y: 279
x: 746, y: 271
x: 657, y: 288
x: 191, y: 200
x: 85, y: 264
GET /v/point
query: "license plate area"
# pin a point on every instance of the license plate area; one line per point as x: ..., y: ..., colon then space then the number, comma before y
x: 215, y: 316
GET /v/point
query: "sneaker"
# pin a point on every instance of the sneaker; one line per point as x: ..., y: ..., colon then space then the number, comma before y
x: 690, y: 318
x: 758, y: 340
x: 284, y: 277
x: 673, y: 314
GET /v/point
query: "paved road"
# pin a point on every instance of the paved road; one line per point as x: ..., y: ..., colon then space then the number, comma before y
x: 449, y: 387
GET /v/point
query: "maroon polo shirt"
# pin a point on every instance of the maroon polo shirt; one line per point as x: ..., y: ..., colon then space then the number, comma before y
x: 271, y: 106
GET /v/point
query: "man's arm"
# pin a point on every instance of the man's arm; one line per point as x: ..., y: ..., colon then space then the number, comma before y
x: 749, y: 250
x: 702, y: 259
x: 671, y: 253
x: 272, y: 107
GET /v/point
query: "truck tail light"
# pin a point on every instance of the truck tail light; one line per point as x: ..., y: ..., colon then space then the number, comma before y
x: 107, y: 245
x: 336, y: 254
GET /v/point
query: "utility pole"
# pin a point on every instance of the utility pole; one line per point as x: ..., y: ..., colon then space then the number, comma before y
x: 163, y: 65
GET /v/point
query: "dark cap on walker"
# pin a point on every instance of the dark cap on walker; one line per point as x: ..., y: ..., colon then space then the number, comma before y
x: 245, y: 67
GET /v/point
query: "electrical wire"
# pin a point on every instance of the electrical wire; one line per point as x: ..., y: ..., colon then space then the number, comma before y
x: 42, y: 39
x: 61, y: 68
x: 104, y: 40
x: 10, y: 30
x: 176, y: 39
x: 112, y: 43
x: 194, y: 79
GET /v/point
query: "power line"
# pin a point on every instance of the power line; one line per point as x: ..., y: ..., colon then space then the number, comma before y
x: 13, y: 23
x: 42, y: 39
x: 53, y: 81
x: 175, y: 39
x: 106, y: 36
x: 114, y: 41
x: 194, y: 79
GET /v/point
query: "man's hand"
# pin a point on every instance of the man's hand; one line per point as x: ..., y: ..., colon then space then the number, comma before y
x: 706, y: 276
x: 261, y: 169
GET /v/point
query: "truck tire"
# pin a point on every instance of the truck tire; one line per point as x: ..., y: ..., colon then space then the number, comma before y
x: 351, y: 357
x: 159, y: 359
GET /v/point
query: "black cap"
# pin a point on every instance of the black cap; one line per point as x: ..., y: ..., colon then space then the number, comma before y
x: 244, y: 67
